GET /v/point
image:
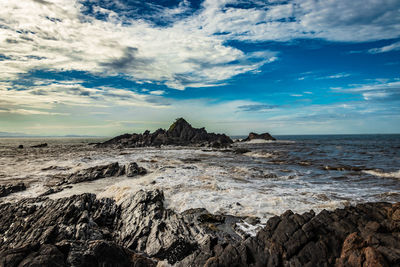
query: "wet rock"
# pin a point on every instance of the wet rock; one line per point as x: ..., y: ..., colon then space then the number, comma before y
x: 343, y: 168
x: 5, y: 190
x: 132, y: 169
x: 345, y: 237
x: 263, y: 136
x: 52, y: 190
x: 139, y: 231
x: 94, y: 173
x: 241, y: 150
x: 103, y: 171
x: 40, y: 145
x: 75, y: 231
x: 180, y: 133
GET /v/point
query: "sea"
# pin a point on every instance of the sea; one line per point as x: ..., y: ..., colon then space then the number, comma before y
x: 298, y: 173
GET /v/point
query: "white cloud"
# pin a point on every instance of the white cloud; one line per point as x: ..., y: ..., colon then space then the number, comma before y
x: 338, y: 76
x: 57, y: 36
x: 338, y: 20
x: 157, y: 92
x: 21, y: 111
x: 384, y: 49
x: 381, y: 88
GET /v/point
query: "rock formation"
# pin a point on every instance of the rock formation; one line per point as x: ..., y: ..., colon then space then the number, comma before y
x: 103, y: 171
x: 263, y: 136
x: 180, y: 133
x: 83, y: 230
x: 40, y: 145
x: 5, y: 190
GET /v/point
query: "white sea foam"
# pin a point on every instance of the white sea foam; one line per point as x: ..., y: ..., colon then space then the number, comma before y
x: 250, y: 229
x: 395, y: 174
x: 221, y: 182
x: 259, y: 154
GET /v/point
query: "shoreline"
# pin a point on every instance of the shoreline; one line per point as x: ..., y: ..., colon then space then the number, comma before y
x: 142, y: 231
x: 200, y: 206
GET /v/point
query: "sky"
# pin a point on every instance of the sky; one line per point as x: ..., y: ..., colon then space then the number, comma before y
x: 106, y: 67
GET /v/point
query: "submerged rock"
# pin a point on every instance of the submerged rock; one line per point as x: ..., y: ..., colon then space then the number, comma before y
x: 180, y: 133
x: 263, y: 136
x: 83, y: 230
x: 5, y: 190
x: 40, y: 145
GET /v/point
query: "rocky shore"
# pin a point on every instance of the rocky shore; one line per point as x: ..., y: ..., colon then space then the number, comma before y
x: 83, y: 230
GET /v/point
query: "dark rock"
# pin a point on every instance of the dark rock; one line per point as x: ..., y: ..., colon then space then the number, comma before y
x: 241, y: 150
x: 343, y: 168
x: 345, y: 237
x: 40, y: 145
x: 180, y: 133
x: 20, y: 146
x: 264, y: 136
x: 52, y: 190
x: 103, y: 171
x: 5, y: 190
x: 94, y: 173
x: 85, y: 231
x: 132, y: 169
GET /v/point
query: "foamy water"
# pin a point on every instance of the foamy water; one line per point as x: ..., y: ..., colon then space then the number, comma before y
x: 272, y: 178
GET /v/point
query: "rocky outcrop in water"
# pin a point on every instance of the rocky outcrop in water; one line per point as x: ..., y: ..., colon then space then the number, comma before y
x: 40, y: 145
x: 83, y: 230
x: 103, y: 171
x: 180, y: 133
x: 263, y: 136
x: 7, y: 189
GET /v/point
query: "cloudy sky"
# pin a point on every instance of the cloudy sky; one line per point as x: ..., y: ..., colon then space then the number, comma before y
x: 104, y: 67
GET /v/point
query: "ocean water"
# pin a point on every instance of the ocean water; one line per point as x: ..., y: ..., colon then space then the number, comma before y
x: 296, y: 172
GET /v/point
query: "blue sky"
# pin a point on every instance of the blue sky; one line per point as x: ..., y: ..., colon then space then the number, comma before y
x: 102, y: 67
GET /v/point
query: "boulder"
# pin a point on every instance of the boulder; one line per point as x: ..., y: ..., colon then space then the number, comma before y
x: 132, y: 169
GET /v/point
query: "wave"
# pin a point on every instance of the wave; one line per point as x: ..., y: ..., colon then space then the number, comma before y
x: 395, y: 174
x: 259, y: 154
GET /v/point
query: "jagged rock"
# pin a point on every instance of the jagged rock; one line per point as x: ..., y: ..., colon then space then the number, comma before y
x: 83, y: 230
x: 94, y: 173
x: 40, y: 145
x: 75, y: 231
x: 103, y: 171
x: 5, y: 190
x: 52, y: 190
x: 132, y: 169
x: 180, y: 133
x: 365, y: 235
x: 263, y: 136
